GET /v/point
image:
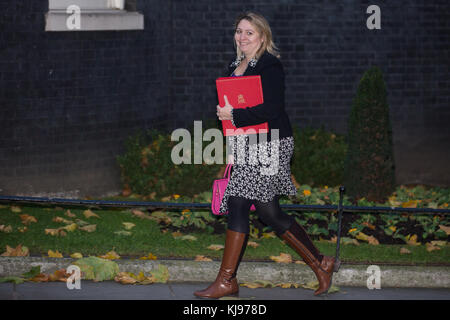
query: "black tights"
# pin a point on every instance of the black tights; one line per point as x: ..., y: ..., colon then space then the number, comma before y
x: 269, y: 212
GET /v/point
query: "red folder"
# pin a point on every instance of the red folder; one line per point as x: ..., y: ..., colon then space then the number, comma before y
x: 242, y: 92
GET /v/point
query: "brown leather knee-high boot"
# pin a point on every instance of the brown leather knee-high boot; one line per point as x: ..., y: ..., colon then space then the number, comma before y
x: 226, y: 282
x: 322, y: 266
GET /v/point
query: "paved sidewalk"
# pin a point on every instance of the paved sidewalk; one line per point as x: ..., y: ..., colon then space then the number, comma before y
x: 194, y: 271
x: 111, y: 290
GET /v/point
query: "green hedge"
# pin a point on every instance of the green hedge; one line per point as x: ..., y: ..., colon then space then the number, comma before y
x: 147, y: 168
x: 319, y: 157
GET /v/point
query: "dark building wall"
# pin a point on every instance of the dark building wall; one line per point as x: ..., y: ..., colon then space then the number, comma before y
x: 326, y: 48
x: 69, y: 99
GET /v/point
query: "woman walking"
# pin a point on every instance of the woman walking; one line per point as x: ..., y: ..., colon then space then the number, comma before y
x: 260, y: 183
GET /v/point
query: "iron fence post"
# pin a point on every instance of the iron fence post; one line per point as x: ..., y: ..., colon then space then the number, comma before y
x: 337, y: 263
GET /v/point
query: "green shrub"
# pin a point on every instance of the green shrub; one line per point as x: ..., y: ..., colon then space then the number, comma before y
x: 147, y: 168
x: 369, y: 165
x: 318, y: 158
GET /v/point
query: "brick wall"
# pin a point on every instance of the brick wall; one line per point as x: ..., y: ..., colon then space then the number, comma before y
x: 69, y: 99
x: 326, y: 47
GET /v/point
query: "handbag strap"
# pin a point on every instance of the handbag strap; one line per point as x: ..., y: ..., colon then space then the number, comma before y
x: 227, y: 170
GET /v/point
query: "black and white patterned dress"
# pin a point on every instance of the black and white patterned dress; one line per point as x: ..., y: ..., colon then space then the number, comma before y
x: 260, y: 170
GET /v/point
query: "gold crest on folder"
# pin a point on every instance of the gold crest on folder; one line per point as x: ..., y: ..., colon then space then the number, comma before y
x: 241, y: 99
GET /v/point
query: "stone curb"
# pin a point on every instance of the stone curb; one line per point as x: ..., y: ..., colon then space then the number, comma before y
x: 195, y: 271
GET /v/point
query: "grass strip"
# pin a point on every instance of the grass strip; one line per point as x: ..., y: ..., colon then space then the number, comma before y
x: 146, y: 237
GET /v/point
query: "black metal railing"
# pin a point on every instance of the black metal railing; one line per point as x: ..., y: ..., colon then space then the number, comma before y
x: 186, y: 205
x: 340, y: 208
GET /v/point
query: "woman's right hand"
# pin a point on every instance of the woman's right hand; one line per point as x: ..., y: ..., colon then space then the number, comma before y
x: 224, y: 113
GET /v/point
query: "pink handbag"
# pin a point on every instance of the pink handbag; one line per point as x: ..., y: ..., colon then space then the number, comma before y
x: 219, y: 186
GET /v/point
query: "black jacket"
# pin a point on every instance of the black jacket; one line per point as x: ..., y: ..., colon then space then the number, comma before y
x: 272, y: 110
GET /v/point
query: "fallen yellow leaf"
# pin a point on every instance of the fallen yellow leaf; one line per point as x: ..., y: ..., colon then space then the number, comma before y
x: 111, y: 255
x: 159, y: 275
x: 251, y: 285
x: 369, y: 225
x: 150, y: 256
x: 187, y: 237
x: 23, y: 229
x: 27, y: 219
x: 123, y: 233
x: 81, y: 223
x: 176, y: 234
x: 446, y: 229
x: 412, y: 240
x: 56, y: 232
x: 404, y: 251
x: 373, y: 241
x: 140, y: 214
x: 131, y: 278
x: 5, y: 229
x: 364, y: 237
x: 393, y: 202
x: 70, y: 214
x: 439, y: 243
x: 216, y: 247
x: 253, y: 244
x: 268, y: 235
x: 141, y: 276
x: 346, y: 241
x: 76, y: 255
x: 89, y: 228
x: 128, y: 225
x: 88, y: 213
x: 410, y: 204
x: 40, y: 278
x: 59, y: 275
x: 314, y: 285
x: 287, y: 285
x: 71, y: 227
x: 16, y: 209
x: 18, y: 251
x: 54, y: 254
x: 62, y: 220
x: 201, y: 258
x: 125, y: 278
x: 258, y: 284
x: 430, y: 247
x: 166, y: 199
x: 282, y: 258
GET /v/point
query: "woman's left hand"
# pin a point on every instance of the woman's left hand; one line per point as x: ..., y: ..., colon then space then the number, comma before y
x: 225, y: 112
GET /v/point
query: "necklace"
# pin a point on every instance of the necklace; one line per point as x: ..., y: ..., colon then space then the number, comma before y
x: 237, y: 62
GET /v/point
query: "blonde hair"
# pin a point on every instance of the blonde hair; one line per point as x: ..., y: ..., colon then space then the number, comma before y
x: 262, y: 27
